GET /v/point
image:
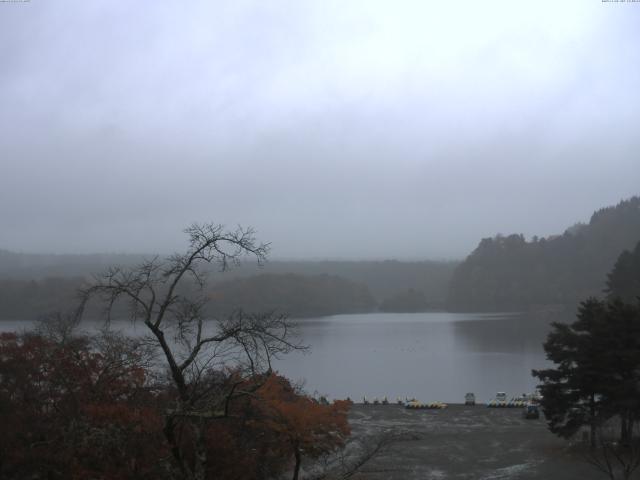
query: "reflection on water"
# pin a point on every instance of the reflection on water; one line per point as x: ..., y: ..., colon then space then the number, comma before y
x: 432, y: 356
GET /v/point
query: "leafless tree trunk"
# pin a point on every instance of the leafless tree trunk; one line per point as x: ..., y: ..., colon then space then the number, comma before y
x: 616, y: 460
x: 169, y: 297
x: 298, y: 459
x: 352, y: 461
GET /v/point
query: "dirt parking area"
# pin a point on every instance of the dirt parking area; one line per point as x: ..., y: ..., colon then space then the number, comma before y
x: 466, y: 442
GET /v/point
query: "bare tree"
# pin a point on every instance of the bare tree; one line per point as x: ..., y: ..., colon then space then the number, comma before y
x: 354, y: 460
x: 208, y: 361
x: 59, y: 327
x: 616, y: 460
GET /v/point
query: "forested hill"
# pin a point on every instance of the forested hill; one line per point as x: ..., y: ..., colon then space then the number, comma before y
x: 384, y: 278
x: 34, y: 284
x: 294, y: 295
x: 508, y: 272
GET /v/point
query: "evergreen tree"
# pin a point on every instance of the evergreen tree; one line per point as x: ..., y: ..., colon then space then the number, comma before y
x: 620, y: 360
x: 572, y: 390
x: 624, y: 280
x: 597, y: 369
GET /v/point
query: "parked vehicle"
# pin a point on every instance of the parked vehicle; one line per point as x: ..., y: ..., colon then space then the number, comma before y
x: 501, y: 397
x: 470, y: 399
x: 531, y: 411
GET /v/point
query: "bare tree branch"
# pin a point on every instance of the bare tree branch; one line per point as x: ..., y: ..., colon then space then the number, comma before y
x: 169, y: 298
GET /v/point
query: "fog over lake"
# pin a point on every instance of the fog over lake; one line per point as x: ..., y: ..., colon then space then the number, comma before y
x: 432, y: 356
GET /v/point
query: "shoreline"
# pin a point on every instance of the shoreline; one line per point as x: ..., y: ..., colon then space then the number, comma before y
x: 465, y: 443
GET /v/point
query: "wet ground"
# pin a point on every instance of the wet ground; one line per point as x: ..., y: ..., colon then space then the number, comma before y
x: 466, y: 442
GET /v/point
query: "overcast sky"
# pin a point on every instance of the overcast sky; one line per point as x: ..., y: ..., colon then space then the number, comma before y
x: 338, y: 129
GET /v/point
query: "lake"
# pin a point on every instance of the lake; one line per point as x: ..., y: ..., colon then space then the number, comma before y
x: 430, y: 356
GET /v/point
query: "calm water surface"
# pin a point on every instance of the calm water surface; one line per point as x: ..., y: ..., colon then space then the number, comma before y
x: 430, y: 356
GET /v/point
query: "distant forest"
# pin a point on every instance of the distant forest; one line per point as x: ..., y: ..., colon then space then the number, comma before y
x: 509, y: 272
x: 506, y: 272
x: 295, y: 295
x: 33, y: 285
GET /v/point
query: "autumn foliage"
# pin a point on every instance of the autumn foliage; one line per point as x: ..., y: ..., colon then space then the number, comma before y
x: 278, y: 423
x: 87, y: 409
x: 301, y: 424
x: 70, y: 411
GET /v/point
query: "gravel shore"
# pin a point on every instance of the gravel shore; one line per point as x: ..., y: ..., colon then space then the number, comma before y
x: 466, y: 442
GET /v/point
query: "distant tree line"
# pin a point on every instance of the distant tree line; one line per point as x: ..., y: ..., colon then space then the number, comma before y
x: 502, y: 273
x: 31, y: 299
x: 509, y: 272
x: 299, y: 296
x: 385, y: 278
x: 296, y: 295
x: 409, y: 301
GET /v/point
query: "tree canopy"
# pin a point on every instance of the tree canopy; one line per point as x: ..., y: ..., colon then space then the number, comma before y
x: 78, y: 407
x: 597, y: 369
x: 509, y: 272
x: 624, y: 280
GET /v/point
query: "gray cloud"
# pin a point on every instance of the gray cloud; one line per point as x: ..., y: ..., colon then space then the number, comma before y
x: 369, y: 130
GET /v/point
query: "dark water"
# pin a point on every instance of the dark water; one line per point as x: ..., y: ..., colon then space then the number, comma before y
x: 430, y: 356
